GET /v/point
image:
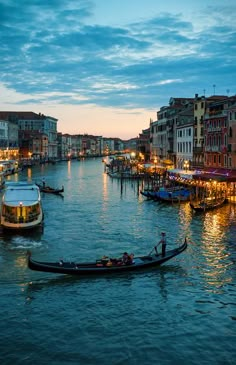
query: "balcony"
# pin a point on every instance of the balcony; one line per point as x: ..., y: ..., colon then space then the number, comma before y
x: 212, y: 149
x: 198, y: 149
x: 214, y: 129
x: 216, y: 114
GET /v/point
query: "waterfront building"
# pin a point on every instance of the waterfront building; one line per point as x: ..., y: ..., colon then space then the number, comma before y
x: 216, y: 135
x: 9, y: 146
x: 231, y: 150
x: 143, y: 145
x: 33, y: 144
x: 153, y: 140
x: 3, y: 137
x: 159, y: 135
x: 184, y: 138
x: 41, y: 123
x: 13, y: 141
x: 163, y: 137
x: 35, y: 122
x: 200, y: 105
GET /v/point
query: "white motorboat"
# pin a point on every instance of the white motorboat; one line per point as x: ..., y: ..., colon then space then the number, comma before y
x: 21, y: 206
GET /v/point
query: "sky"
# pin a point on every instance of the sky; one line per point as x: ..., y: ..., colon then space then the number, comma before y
x: 105, y: 67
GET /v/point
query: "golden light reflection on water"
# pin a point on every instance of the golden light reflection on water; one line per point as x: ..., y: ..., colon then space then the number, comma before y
x: 105, y: 190
x: 69, y: 168
x: 215, y: 255
x: 20, y: 261
x: 185, y: 215
x: 29, y: 174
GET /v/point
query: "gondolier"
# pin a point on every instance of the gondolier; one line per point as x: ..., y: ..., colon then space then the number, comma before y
x: 163, y: 244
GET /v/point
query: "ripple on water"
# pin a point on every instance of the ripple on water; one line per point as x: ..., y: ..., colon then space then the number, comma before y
x: 181, y: 313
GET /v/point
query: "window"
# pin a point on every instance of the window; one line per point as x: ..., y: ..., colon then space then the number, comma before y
x: 225, y: 139
x: 225, y: 160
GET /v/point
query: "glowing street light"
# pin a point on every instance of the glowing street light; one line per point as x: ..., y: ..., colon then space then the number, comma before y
x: 155, y: 163
x: 186, y: 165
x: 133, y: 154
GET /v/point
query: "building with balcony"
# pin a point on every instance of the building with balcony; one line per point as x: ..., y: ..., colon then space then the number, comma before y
x: 29, y: 121
x: 184, y: 138
x: 216, y: 131
x: 200, y: 105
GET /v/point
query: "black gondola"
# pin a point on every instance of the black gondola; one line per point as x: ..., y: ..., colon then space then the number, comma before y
x: 101, y: 267
x: 208, y: 204
x: 50, y: 190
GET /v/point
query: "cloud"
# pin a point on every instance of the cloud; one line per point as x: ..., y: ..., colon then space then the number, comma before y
x: 52, y: 52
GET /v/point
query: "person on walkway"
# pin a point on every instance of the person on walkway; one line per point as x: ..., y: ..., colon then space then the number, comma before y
x: 163, y: 244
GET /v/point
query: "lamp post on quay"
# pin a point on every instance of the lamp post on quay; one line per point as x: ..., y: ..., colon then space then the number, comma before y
x: 186, y: 165
x: 155, y: 164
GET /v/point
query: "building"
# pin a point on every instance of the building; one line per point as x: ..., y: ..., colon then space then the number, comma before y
x: 30, y: 121
x: 184, y: 138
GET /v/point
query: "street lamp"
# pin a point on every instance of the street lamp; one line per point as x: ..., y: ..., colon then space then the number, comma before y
x: 133, y: 154
x: 186, y: 165
x: 155, y: 164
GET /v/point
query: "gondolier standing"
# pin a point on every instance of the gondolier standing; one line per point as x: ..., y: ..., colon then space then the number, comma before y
x: 163, y: 244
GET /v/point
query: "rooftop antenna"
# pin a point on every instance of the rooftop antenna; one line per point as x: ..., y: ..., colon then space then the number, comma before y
x: 214, y: 89
x: 228, y: 91
x: 204, y: 92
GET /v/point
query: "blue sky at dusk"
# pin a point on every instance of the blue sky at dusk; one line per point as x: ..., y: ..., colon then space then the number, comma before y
x: 105, y: 67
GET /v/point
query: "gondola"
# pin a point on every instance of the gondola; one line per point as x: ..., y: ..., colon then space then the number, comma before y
x: 50, y: 190
x: 208, y: 204
x: 101, y: 267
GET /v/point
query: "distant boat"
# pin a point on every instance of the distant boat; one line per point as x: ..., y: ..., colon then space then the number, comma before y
x: 50, y: 190
x: 21, y: 206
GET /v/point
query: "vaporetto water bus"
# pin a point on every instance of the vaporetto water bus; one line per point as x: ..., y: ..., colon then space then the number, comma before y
x: 21, y: 206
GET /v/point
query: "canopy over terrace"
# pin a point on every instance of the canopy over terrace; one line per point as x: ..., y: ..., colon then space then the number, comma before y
x: 179, y: 173
x: 220, y: 175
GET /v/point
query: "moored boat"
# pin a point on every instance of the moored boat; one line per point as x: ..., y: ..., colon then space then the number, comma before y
x: 21, y: 206
x: 208, y: 204
x: 101, y: 267
x: 175, y: 194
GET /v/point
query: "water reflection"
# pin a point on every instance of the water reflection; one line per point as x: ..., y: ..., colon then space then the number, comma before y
x: 216, y: 263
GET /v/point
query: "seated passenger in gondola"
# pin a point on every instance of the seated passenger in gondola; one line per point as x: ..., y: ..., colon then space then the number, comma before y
x: 127, y: 259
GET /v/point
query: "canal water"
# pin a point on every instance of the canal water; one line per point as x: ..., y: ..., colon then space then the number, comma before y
x: 181, y: 313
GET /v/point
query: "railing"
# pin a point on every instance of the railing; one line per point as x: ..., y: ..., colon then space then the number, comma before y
x: 214, y: 129
x: 198, y: 149
x: 212, y: 149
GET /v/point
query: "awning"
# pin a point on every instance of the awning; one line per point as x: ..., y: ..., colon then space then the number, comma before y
x: 168, y: 162
x: 221, y: 175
